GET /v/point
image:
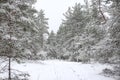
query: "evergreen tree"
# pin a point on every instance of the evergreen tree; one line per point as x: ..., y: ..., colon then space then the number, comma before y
x: 109, y: 45
x: 42, y: 23
x: 51, y: 39
x: 16, y: 27
x: 114, y: 29
x: 72, y: 27
x: 79, y: 32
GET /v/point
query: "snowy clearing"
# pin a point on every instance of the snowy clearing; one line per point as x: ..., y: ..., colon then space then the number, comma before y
x: 61, y: 70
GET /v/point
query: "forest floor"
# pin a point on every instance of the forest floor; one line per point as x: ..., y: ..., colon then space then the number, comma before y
x: 62, y: 70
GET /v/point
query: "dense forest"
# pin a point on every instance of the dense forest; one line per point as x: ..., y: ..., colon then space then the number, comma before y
x: 89, y: 32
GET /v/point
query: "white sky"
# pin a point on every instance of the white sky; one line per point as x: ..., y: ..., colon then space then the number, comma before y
x: 54, y: 10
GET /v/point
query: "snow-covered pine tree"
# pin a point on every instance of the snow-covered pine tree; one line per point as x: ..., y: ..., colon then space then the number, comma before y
x: 42, y: 23
x: 51, y: 39
x: 114, y: 29
x: 114, y: 32
x: 79, y: 32
x: 109, y: 48
x: 51, y: 46
x: 72, y: 27
x: 16, y: 27
x: 60, y: 37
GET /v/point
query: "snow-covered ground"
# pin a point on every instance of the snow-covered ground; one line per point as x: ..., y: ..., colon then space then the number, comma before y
x: 61, y: 70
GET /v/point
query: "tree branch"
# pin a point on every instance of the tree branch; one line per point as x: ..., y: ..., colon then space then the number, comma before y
x: 100, y: 10
x: 3, y: 68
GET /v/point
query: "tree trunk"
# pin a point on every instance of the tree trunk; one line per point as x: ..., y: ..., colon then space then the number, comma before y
x: 9, y: 69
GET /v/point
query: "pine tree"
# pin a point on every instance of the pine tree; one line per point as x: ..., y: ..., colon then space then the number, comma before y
x: 110, y: 43
x: 51, y: 39
x: 42, y: 23
x: 114, y: 28
x: 79, y: 32
x: 16, y: 27
x: 71, y: 28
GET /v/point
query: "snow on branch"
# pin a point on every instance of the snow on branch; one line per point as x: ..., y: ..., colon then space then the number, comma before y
x: 102, y: 12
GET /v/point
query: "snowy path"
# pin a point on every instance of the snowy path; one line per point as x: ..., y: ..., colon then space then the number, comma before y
x: 60, y: 70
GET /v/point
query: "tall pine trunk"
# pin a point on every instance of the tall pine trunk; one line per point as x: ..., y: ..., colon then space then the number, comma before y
x: 9, y: 69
